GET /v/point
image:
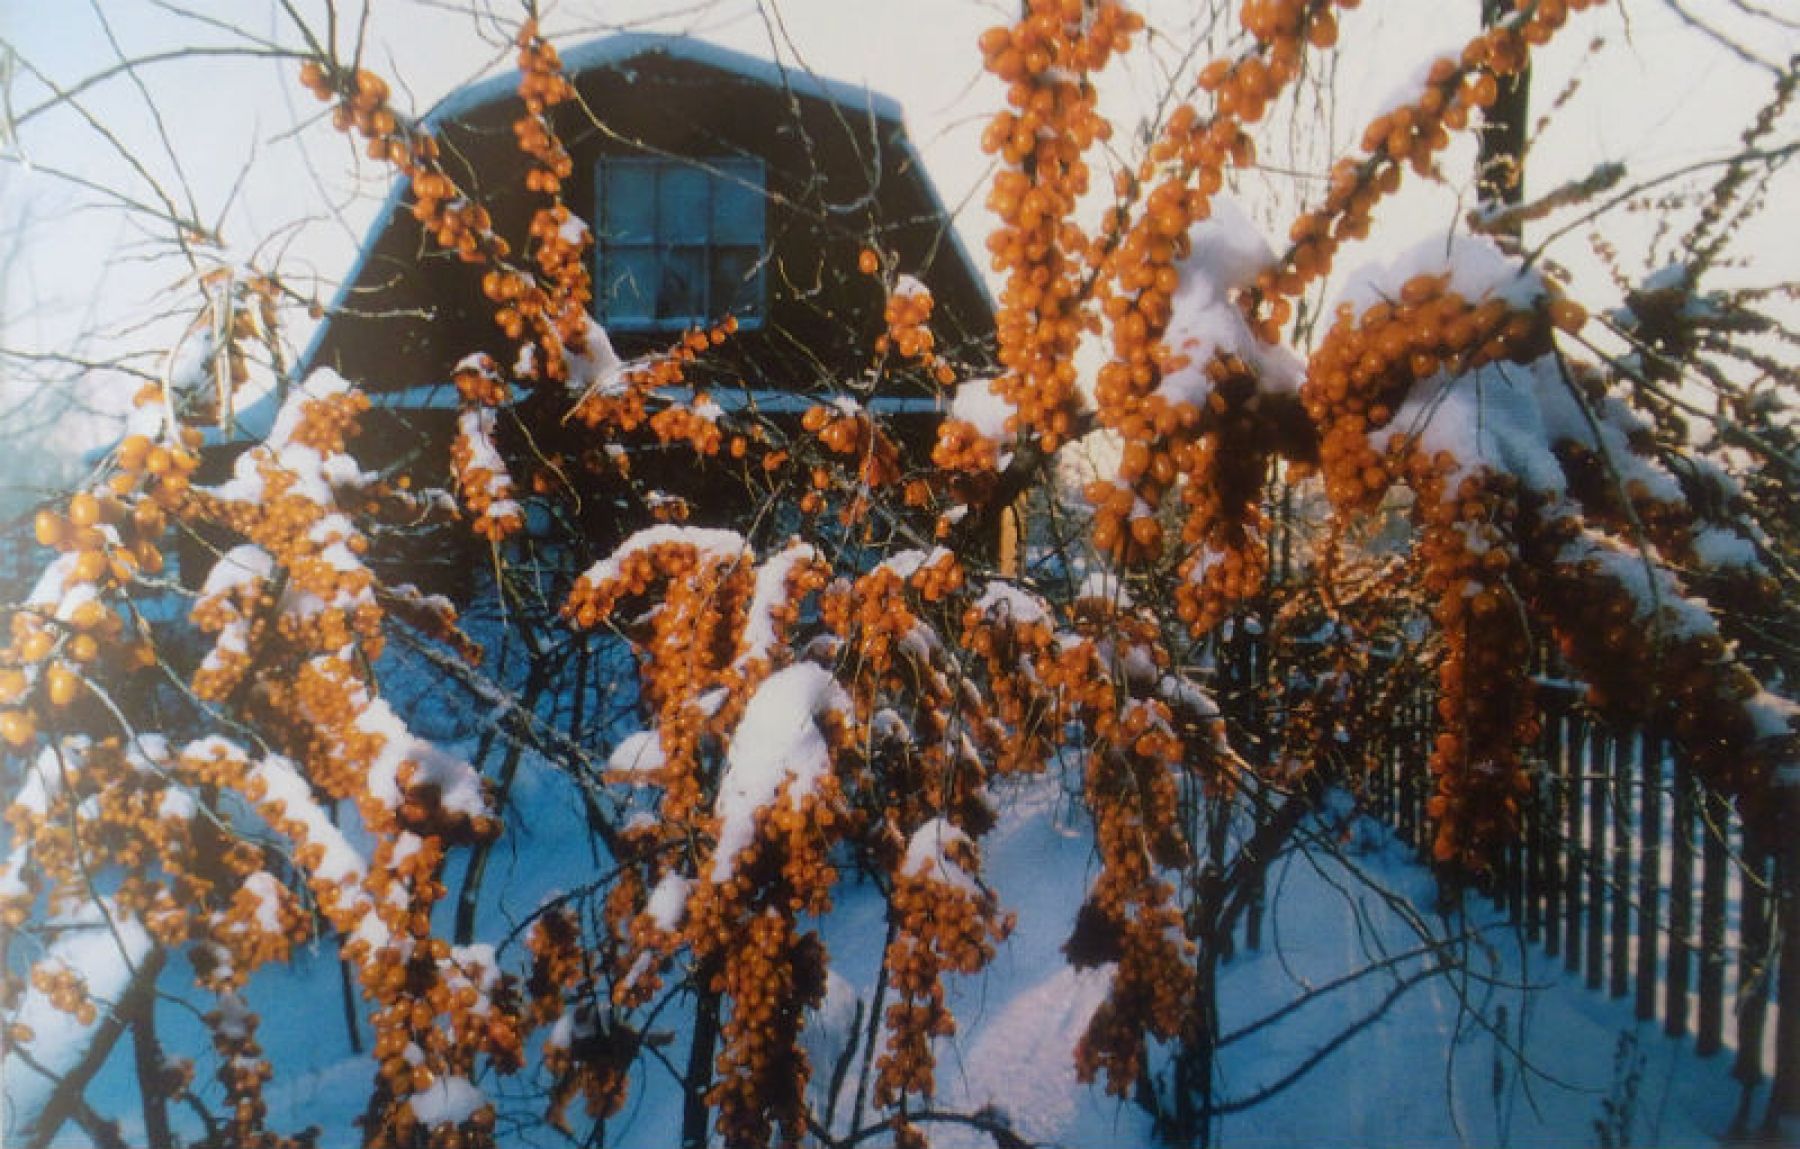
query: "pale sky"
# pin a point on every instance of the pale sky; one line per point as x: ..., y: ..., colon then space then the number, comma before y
x: 222, y: 142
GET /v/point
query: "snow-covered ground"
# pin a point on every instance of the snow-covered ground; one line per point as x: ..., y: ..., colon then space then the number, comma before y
x: 1500, y: 1047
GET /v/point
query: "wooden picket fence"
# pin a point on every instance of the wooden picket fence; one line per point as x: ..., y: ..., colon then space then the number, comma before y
x: 1639, y: 878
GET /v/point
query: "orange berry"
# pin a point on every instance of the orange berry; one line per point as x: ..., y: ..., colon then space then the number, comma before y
x: 17, y: 727
x: 49, y: 528
x: 84, y: 509
x: 37, y: 645
x: 61, y: 683
x: 1568, y: 315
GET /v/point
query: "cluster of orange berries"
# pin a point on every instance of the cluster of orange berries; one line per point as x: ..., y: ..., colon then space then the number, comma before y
x: 774, y: 974
x: 65, y: 990
x: 1411, y: 134
x: 693, y: 639
x: 105, y: 544
x: 560, y: 245
x: 624, y: 408
x: 1658, y: 661
x: 696, y: 424
x: 873, y: 616
x: 1137, y: 259
x: 1244, y: 88
x: 940, y: 926
x: 938, y: 577
x: 117, y: 803
x: 1484, y: 700
x: 1012, y: 648
x: 243, y: 1070
x: 1045, y: 60
x: 542, y: 86
x: 361, y: 104
x: 854, y: 434
x: 478, y: 379
x: 483, y: 478
x: 960, y: 446
x: 584, y: 1055
x: 554, y: 315
x: 1125, y: 527
x: 1132, y: 914
x: 1131, y: 917
x: 907, y: 314
x: 1224, y: 526
x: 1367, y: 362
x: 313, y: 710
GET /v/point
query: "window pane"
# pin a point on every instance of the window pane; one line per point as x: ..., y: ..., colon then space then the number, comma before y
x: 682, y: 201
x: 682, y: 295
x: 738, y: 203
x: 628, y: 202
x: 737, y: 281
x: 628, y: 284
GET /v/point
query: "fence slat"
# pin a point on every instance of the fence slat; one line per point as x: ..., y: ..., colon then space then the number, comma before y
x: 1552, y: 829
x: 1619, y: 944
x: 1574, y: 760
x: 1753, y: 958
x: 1709, y: 1032
x: 1681, y: 902
x: 1649, y: 889
x: 1594, y: 796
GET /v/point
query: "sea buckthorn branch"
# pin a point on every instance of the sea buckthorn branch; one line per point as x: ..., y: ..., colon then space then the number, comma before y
x: 286, y: 496
x: 922, y: 786
x: 1694, y: 514
x: 1110, y: 672
x: 1138, y: 278
x: 1411, y: 134
x: 945, y: 920
x: 554, y: 316
x: 775, y: 810
x: 483, y: 477
x: 560, y: 239
x: 907, y: 314
x: 1396, y: 389
x: 618, y: 396
x: 693, y: 638
x: 1216, y: 435
x: 1046, y: 60
x: 1650, y: 653
x: 847, y: 429
x: 1347, y: 666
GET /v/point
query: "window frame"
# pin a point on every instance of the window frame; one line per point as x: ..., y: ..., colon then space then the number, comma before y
x: 747, y: 172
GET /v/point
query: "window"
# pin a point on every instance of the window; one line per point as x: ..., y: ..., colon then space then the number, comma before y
x: 679, y: 243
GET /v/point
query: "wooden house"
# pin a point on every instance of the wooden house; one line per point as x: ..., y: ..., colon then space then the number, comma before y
x: 715, y: 184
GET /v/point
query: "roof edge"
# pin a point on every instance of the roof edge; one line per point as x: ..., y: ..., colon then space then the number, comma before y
x: 624, y: 47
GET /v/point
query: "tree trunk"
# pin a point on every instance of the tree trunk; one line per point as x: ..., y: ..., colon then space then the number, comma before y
x: 696, y: 1113
x: 1500, y: 162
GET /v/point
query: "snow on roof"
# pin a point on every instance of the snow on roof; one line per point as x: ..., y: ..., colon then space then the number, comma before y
x: 613, y: 52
